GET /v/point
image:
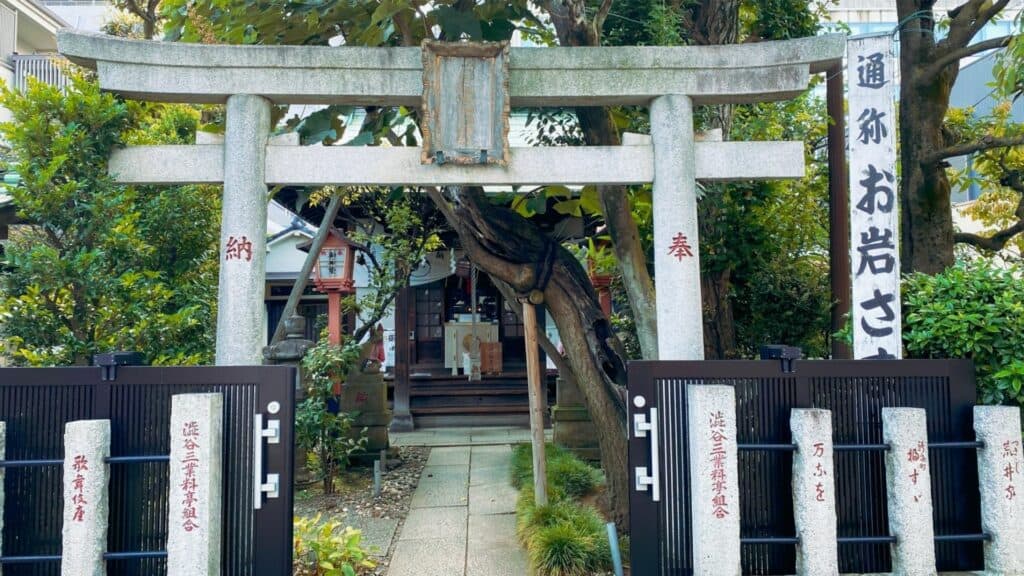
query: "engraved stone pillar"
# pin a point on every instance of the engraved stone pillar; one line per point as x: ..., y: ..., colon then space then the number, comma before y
x: 676, y: 254
x: 1000, y: 465
x: 86, y: 502
x: 908, y: 485
x: 3, y: 456
x: 194, y: 521
x: 240, y: 331
x: 814, y: 493
x: 289, y: 352
x: 715, y: 505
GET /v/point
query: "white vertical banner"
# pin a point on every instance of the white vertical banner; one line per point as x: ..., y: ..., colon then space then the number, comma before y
x: 874, y: 209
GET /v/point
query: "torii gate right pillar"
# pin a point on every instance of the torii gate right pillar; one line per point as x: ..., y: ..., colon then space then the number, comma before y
x: 676, y: 249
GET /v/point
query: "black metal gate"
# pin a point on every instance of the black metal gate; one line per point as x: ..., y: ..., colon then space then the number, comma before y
x: 855, y: 392
x: 37, y: 402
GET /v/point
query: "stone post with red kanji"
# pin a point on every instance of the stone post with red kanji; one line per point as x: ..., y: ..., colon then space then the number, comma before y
x: 86, y: 498
x: 909, y: 490
x: 243, y: 232
x: 676, y: 250
x: 195, y: 501
x: 714, y: 482
x: 814, y: 493
x: 1000, y: 465
x: 3, y: 455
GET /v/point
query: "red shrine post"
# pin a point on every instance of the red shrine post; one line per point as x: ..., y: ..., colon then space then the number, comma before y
x: 333, y: 276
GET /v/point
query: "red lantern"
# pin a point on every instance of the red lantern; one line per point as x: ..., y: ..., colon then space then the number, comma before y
x: 333, y: 271
x: 333, y: 275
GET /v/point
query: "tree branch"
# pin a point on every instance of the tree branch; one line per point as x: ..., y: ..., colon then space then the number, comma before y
x: 550, y: 349
x: 998, y: 240
x: 986, y: 143
x: 134, y: 8
x: 953, y: 55
x: 375, y: 318
x: 602, y: 14
x: 307, y: 267
x: 471, y: 244
x: 995, y: 242
x: 961, y: 20
x: 987, y: 14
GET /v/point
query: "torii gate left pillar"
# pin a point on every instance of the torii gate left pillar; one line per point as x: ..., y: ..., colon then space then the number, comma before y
x: 243, y: 232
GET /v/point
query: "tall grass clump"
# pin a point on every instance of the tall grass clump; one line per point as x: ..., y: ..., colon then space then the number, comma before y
x: 565, y: 537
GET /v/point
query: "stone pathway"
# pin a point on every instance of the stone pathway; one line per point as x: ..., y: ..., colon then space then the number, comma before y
x: 463, y: 436
x: 462, y: 520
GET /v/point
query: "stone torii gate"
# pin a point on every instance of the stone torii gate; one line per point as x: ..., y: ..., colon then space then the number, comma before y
x: 250, y: 79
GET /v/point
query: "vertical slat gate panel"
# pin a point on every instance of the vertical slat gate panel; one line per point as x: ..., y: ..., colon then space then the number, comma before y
x: 36, y: 403
x: 855, y: 392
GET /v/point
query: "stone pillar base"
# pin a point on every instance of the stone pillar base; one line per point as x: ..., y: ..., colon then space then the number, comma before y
x: 401, y: 423
x: 367, y: 396
x: 572, y: 427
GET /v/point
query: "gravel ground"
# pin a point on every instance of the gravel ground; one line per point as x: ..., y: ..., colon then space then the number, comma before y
x: 353, y: 502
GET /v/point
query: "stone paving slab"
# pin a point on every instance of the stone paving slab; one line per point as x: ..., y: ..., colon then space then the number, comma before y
x: 455, y: 529
x: 492, y: 499
x: 440, y: 494
x: 453, y: 474
x: 492, y: 531
x: 432, y: 523
x: 497, y: 562
x: 463, y: 436
x: 500, y: 451
x: 491, y: 456
x: 498, y: 433
x: 489, y: 475
x: 429, y: 557
x: 449, y: 456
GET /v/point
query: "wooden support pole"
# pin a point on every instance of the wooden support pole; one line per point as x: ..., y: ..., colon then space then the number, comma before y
x: 307, y: 267
x: 535, y: 381
x: 838, y: 211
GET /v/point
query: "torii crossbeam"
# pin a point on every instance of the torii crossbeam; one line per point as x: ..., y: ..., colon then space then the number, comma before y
x: 249, y: 79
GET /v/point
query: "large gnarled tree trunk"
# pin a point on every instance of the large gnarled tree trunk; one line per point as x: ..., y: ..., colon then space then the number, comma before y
x: 929, y: 69
x: 509, y: 248
x: 575, y: 29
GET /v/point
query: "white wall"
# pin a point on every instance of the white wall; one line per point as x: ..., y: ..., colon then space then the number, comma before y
x: 85, y: 18
x: 283, y: 255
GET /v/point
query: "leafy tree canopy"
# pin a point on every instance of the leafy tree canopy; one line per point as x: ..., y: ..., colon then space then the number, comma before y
x: 99, y: 266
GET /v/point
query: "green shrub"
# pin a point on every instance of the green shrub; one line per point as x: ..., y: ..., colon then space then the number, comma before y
x: 574, y: 476
x: 329, y: 550
x: 561, y: 550
x: 972, y: 310
x: 328, y: 439
x: 563, y: 537
x: 567, y: 474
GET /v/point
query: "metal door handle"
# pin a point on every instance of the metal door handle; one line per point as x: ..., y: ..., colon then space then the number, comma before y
x: 642, y: 480
x: 272, y: 485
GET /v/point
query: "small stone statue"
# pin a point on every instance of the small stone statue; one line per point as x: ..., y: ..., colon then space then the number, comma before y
x: 293, y: 347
